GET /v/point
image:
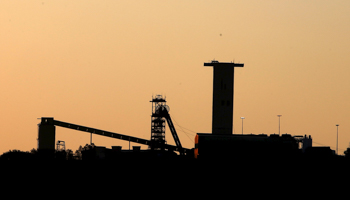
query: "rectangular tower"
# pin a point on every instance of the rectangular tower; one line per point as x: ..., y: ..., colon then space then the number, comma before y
x: 47, y: 134
x: 223, y: 78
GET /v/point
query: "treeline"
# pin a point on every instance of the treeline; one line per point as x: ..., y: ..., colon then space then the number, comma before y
x: 59, y: 155
x: 88, y: 153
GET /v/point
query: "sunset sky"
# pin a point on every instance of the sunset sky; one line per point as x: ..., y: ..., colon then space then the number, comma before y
x: 97, y: 63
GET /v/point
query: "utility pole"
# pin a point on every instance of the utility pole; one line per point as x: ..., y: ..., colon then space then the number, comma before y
x: 279, y: 124
x: 242, y: 124
x: 337, y: 138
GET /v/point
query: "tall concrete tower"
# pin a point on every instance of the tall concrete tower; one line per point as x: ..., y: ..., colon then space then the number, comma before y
x: 223, y: 78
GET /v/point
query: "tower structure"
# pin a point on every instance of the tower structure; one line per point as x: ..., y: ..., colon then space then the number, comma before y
x: 158, y: 123
x: 60, y: 145
x: 46, y: 134
x: 223, y: 86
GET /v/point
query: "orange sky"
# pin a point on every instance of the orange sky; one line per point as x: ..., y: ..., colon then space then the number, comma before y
x: 98, y: 63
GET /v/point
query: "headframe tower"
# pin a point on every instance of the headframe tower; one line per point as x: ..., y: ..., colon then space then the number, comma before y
x: 158, y: 123
x: 223, y: 79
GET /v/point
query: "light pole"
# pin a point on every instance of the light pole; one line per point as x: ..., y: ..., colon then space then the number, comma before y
x: 337, y: 138
x: 242, y: 124
x: 279, y: 124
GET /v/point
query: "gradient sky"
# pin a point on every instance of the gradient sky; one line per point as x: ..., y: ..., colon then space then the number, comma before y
x: 97, y: 63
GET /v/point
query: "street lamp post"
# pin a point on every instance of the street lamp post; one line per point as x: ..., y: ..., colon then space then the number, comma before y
x: 279, y: 124
x: 242, y: 124
x: 337, y: 138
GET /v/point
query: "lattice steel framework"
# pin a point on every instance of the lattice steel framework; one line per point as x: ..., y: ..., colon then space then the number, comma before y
x: 158, y: 123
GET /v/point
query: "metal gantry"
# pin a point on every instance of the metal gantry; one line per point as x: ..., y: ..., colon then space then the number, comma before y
x: 160, y: 113
x: 158, y: 123
x: 47, y: 134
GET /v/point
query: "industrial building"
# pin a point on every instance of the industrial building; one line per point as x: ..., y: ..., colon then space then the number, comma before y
x: 221, y: 143
x: 157, y: 144
x: 210, y: 146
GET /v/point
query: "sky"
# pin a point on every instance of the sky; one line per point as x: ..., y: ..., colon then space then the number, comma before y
x: 97, y: 63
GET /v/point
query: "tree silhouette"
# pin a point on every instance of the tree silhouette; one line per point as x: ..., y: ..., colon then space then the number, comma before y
x: 69, y: 154
x: 88, y: 152
x: 16, y: 155
x: 33, y: 155
x: 347, y: 153
x: 78, y: 155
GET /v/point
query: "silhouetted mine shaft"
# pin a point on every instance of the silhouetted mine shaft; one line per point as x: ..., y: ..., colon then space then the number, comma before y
x: 223, y: 78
